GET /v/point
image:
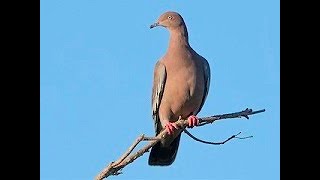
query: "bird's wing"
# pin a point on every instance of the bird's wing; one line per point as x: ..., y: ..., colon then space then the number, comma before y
x: 207, y: 74
x: 159, y: 80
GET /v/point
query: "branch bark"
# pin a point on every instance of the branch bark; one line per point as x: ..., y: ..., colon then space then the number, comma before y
x: 114, y: 168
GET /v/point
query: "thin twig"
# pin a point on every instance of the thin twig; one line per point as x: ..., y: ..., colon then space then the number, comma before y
x: 215, y: 143
x: 126, y: 154
x: 245, y: 113
x: 114, y: 167
x: 244, y: 137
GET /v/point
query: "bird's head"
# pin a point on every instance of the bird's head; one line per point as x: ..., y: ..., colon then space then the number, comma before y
x: 169, y: 20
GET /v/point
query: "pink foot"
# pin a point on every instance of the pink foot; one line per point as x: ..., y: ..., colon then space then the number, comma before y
x: 171, y: 127
x: 193, y: 121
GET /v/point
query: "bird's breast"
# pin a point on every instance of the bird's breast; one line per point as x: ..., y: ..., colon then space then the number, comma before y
x: 183, y: 91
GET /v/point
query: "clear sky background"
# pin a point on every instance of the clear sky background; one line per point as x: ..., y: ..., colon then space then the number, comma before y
x: 97, y: 60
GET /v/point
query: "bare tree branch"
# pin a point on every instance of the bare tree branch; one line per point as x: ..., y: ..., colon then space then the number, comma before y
x: 114, y: 168
x: 215, y: 143
x: 245, y: 113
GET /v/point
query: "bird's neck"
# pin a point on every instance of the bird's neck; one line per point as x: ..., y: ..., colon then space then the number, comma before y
x: 178, y: 39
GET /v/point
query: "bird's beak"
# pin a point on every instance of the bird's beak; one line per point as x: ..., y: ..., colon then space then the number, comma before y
x: 154, y: 25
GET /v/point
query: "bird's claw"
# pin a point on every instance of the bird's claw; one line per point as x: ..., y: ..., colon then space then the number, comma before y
x: 193, y: 121
x: 171, y: 127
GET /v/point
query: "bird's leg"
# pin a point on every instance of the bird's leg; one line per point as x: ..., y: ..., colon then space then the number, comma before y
x: 171, y: 127
x: 193, y: 121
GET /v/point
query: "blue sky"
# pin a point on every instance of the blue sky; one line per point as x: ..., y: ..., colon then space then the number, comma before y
x: 97, y: 59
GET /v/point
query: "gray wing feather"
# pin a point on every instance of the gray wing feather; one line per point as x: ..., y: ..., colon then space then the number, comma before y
x: 159, y: 81
x: 207, y: 77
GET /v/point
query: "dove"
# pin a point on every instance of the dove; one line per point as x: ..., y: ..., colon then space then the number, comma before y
x: 181, y: 83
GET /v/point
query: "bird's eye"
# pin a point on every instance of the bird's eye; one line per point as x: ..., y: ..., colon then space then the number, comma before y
x: 169, y: 17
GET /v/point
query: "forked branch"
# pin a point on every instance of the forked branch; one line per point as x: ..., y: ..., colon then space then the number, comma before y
x: 128, y: 157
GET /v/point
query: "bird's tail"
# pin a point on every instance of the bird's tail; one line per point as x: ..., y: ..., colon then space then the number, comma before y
x: 164, y: 156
